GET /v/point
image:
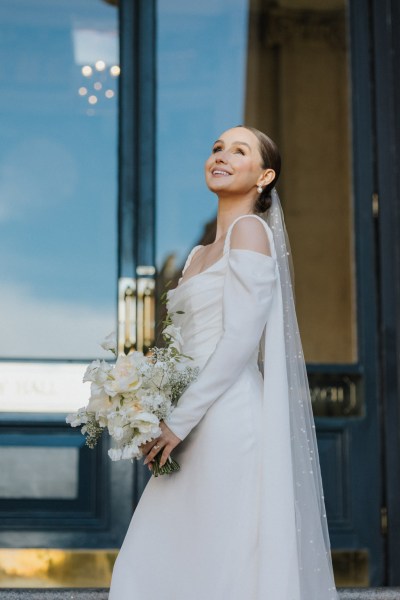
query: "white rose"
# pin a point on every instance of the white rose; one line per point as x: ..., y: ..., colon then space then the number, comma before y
x: 118, y: 426
x: 99, y: 399
x: 97, y: 372
x: 125, y: 377
x: 147, y: 423
x: 110, y: 342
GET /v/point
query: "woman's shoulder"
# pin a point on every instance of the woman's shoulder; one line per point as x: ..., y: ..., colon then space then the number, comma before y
x: 250, y: 232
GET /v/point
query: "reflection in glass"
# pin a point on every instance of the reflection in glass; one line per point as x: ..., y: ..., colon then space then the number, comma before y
x: 57, y: 178
x: 282, y: 67
x: 201, y: 82
x: 39, y: 472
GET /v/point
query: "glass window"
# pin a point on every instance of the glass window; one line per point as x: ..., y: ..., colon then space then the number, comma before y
x: 58, y: 196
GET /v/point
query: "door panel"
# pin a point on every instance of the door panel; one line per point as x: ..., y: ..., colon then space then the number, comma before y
x: 58, y: 267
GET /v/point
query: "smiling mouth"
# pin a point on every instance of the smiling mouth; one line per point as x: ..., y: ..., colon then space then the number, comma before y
x: 219, y: 173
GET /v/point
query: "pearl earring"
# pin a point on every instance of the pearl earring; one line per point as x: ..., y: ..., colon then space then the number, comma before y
x: 259, y: 189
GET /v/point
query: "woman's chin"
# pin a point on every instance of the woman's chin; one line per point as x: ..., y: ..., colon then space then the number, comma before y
x: 217, y: 185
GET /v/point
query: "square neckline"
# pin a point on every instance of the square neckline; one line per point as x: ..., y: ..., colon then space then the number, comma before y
x: 224, y: 252
x: 180, y: 282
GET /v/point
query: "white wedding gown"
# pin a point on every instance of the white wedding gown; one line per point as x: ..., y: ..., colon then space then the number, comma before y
x: 195, y: 535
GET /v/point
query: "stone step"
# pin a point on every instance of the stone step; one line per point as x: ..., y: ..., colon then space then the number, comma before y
x: 102, y: 594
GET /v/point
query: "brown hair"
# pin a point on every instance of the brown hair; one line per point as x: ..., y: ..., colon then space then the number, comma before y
x: 271, y: 159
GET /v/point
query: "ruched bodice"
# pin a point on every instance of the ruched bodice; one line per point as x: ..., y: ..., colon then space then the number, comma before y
x: 199, y: 298
x: 195, y: 304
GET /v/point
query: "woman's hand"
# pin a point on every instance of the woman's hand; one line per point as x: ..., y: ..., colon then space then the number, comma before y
x: 166, y: 441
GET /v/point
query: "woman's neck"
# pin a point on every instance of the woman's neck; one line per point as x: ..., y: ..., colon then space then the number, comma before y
x: 228, y: 211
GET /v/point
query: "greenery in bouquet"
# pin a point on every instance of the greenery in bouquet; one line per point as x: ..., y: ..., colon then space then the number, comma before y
x: 130, y: 397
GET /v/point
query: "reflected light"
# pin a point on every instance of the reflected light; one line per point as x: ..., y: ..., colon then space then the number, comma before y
x: 92, y: 99
x: 87, y: 71
x: 40, y: 567
x: 97, y: 85
x: 82, y: 91
x: 109, y: 94
x: 115, y: 70
x: 100, y: 65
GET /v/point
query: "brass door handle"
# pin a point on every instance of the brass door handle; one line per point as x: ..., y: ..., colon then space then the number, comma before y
x: 146, y: 286
x: 127, y: 302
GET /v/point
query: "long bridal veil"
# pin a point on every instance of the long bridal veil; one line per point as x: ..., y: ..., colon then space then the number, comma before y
x: 294, y: 538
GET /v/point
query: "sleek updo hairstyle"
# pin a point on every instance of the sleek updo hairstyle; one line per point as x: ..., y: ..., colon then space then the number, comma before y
x: 271, y: 159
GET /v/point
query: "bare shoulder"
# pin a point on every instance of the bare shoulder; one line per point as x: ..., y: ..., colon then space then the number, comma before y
x: 248, y: 233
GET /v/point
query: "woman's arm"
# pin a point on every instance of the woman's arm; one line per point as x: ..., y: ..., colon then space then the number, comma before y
x: 248, y: 291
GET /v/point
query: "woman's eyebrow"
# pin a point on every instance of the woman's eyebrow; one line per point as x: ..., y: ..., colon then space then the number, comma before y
x: 242, y: 143
x: 237, y: 142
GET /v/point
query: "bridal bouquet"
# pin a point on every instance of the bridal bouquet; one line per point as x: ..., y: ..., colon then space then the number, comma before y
x: 130, y: 397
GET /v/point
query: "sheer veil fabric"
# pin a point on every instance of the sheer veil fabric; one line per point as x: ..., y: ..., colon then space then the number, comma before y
x: 294, y: 539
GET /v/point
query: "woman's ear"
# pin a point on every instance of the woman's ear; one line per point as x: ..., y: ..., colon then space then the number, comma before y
x: 266, y: 177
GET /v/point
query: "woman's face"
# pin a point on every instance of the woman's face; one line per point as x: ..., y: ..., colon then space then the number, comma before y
x: 235, y: 163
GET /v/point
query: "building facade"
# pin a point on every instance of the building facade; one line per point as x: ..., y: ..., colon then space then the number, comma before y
x: 109, y: 110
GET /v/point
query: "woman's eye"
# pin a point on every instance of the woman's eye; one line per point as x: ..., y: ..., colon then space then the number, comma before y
x: 216, y: 149
x: 240, y: 151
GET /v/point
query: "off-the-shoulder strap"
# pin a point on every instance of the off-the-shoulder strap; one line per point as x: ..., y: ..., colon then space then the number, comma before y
x: 267, y: 229
x: 189, y: 258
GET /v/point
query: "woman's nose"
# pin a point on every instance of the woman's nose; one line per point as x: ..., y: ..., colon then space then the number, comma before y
x: 220, y: 157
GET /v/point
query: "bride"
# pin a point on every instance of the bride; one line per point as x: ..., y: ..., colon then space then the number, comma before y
x: 244, y: 518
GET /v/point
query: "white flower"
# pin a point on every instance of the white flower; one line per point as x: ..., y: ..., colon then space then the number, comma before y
x: 97, y: 372
x: 174, y: 334
x: 125, y: 377
x: 146, y: 422
x: 130, y: 451
x: 155, y: 377
x: 78, y: 418
x: 118, y: 426
x: 115, y: 453
x: 99, y: 399
x: 132, y: 396
x: 110, y: 342
x: 152, y: 401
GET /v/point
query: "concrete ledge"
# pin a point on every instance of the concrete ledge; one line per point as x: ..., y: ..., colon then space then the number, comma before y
x: 54, y: 594
x: 369, y: 593
x: 102, y: 594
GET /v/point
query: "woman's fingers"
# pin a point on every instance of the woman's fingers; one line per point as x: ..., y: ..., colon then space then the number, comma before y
x: 164, y: 456
x: 167, y: 441
x: 153, y: 452
x: 148, y: 445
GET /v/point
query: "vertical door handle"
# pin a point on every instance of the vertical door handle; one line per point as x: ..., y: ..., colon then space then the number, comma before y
x: 146, y: 286
x: 127, y: 306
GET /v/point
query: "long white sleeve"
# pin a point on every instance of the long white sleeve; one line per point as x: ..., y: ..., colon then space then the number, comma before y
x: 248, y: 291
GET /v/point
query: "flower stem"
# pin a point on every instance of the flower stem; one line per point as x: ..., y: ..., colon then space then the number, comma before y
x: 169, y: 467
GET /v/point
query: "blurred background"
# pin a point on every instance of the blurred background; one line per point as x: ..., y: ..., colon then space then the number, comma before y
x: 108, y: 111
